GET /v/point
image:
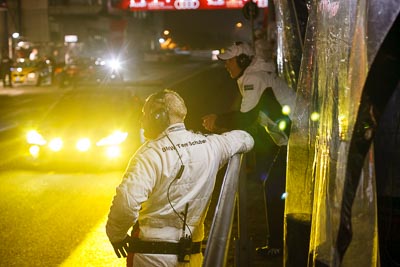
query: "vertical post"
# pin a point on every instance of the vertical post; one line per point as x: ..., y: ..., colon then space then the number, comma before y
x: 271, y: 23
x: 243, y: 245
x: 220, y: 232
x: 252, y: 13
x: 10, y: 48
x: 4, y: 46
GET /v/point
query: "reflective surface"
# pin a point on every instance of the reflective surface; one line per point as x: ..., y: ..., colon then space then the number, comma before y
x: 338, y: 48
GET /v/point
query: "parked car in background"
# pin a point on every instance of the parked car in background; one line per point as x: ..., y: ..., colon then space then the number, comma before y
x: 32, y: 72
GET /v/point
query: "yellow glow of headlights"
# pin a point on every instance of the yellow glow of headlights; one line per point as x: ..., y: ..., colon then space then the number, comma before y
x: 35, y: 138
x: 31, y: 75
x: 83, y: 144
x: 282, y: 125
x: 34, y: 151
x: 113, y: 152
x: 286, y: 110
x: 56, y: 144
x: 115, y: 138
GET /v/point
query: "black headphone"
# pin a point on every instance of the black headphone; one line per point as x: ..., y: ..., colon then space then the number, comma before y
x: 242, y: 60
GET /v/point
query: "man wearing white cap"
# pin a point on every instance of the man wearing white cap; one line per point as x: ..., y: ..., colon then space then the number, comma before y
x: 264, y: 97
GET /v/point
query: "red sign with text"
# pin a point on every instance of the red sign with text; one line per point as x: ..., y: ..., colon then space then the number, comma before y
x: 134, y: 5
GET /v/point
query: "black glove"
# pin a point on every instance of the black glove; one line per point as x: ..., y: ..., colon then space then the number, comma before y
x: 121, y: 247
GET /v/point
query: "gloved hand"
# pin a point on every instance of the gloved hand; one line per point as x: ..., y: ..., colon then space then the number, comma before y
x: 121, y: 247
x: 209, y: 122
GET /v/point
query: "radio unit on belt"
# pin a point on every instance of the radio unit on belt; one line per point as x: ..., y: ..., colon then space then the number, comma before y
x: 185, y: 243
x: 183, y: 249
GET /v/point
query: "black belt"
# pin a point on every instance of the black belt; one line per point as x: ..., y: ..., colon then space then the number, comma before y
x: 158, y: 247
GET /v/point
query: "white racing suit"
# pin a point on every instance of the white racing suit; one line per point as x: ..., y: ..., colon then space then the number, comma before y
x: 143, y: 194
x: 259, y: 76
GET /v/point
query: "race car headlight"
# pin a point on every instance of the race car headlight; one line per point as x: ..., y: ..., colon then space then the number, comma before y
x: 115, y: 138
x: 114, y: 64
x: 56, y: 144
x: 34, y: 151
x: 83, y: 144
x: 35, y: 138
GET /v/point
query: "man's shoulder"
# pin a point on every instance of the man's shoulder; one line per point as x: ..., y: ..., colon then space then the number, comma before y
x: 260, y: 69
x: 148, y: 147
x: 254, y: 81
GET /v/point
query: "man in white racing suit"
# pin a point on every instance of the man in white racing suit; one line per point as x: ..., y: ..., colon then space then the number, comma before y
x: 266, y: 102
x: 168, y: 185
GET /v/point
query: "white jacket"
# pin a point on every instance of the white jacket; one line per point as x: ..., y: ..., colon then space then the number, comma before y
x: 257, y: 77
x: 142, y: 194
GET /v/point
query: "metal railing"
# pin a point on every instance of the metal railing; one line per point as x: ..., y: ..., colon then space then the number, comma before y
x: 233, y: 194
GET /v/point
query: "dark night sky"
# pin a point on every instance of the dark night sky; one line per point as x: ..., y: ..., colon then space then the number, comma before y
x: 208, y: 28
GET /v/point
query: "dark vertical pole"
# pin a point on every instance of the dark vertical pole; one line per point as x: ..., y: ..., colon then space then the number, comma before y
x: 6, y: 35
x: 252, y: 13
x: 19, y: 12
x: 244, y: 247
x: 270, y: 19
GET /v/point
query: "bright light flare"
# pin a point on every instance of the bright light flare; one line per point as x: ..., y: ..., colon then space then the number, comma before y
x: 286, y: 110
x: 214, y: 54
x: 34, y: 151
x: 56, y: 144
x: 35, y: 138
x: 114, y: 64
x: 115, y: 138
x: 83, y: 144
x: 282, y: 125
x: 113, y: 152
x: 100, y: 62
x: 31, y: 75
x: 314, y: 116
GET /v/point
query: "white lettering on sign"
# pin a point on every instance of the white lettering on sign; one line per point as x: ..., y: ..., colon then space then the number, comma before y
x: 157, y: 5
x: 234, y: 3
x: 187, y: 4
x: 262, y: 3
x: 215, y: 2
x: 141, y: 3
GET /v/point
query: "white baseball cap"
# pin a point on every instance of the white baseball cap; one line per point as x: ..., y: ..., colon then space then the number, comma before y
x: 235, y: 50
